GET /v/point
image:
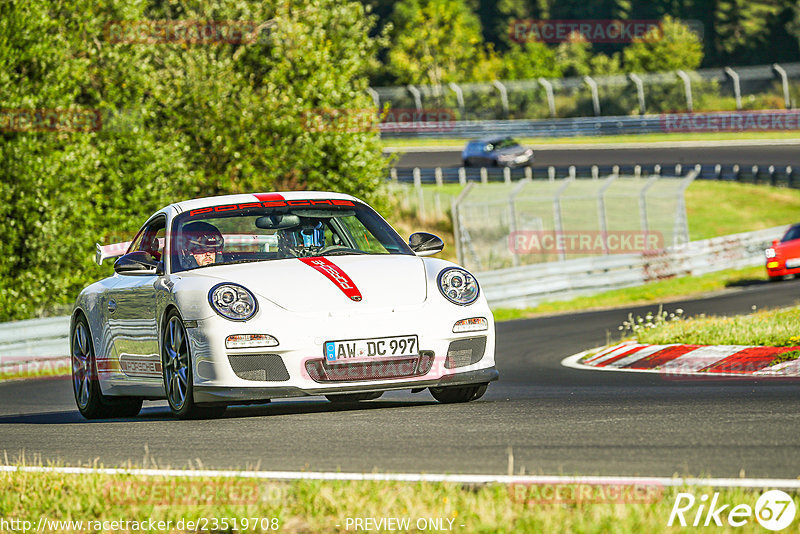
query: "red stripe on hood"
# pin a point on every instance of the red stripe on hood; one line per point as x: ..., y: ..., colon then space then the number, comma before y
x: 264, y: 197
x: 332, y: 272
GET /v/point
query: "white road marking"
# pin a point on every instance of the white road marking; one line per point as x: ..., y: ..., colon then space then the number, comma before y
x: 419, y: 477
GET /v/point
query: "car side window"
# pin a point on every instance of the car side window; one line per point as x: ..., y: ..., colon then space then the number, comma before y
x: 152, y: 239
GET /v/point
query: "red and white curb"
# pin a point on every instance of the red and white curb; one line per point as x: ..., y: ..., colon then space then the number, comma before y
x: 688, y: 360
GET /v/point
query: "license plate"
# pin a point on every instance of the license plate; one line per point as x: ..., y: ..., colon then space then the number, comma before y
x: 792, y: 263
x: 360, y: 350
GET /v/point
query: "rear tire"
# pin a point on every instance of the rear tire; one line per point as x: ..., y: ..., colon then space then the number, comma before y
x: 354, y: 397
x: 453, y: 394
x: 92, y: 404
x: 176, y: 366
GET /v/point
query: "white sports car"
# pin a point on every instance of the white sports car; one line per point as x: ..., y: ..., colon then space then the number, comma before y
x: 240, y: 299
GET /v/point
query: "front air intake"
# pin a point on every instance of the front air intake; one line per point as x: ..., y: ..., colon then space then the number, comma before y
x: 259, y: 367
x: 465, y: 352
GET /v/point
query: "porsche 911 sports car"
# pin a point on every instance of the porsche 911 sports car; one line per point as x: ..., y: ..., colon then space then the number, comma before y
x: 783, y: 257
x: 241, y: 299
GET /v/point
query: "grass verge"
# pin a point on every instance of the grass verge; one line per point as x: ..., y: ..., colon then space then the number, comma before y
x: 661, y: 291
x: 776, y: 328
x: 590, y: 140
x: 316, y: 506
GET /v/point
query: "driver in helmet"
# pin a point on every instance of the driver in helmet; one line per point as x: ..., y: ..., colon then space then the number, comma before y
x: 201, y: 244
x: 308, y: 239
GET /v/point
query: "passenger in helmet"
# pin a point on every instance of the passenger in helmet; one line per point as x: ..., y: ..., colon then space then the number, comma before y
x: 308, y: 239
x: 200, y: 244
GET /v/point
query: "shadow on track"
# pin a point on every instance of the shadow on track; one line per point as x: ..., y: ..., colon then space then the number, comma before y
x: 162, y: 413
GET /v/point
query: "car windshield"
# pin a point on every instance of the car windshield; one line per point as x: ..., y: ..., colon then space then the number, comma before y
x: 273, y: 230
x: 793, y: 233
x: 505, y: 143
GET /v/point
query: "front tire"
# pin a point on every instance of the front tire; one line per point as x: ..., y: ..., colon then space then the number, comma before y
x: 452, y: 394
x: 92, y: 404
x: 354, y: 397
x: 176, y: 368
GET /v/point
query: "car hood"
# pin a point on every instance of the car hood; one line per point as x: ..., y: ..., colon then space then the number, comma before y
x: 380, y: 280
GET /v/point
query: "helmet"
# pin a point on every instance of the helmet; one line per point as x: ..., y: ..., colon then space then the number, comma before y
x: 198, y: 238
x: 306, y: 240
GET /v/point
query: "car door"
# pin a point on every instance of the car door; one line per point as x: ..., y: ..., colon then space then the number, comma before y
x: 132, y: 315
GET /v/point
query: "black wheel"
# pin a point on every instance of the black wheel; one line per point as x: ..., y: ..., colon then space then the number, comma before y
x: 775, y: 278
x: 92, y: 404
x: 176, y: 365
x: 465, y: 163
x: 450, y: 394
x: 354, y: 397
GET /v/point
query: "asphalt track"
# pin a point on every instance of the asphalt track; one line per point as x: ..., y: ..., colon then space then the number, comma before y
x: 556, y: 420
x: 745, y: 155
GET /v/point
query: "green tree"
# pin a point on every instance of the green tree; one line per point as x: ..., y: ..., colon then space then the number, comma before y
x: 671, y: 48
x: 529, y: 61
x: 436, y: 42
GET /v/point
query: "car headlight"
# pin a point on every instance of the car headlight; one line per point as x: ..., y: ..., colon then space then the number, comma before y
x: 769, y: 253
x: 232, y: 301
x: 458, y: 286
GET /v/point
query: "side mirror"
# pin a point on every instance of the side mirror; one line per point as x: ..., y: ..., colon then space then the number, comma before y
x: 425, y: 244
x: 138, y: 262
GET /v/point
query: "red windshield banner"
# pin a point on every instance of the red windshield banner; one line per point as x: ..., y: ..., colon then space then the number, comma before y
x: 332, y: 272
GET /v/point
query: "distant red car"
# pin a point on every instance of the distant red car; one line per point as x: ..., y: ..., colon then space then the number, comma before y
x: 783, y: 257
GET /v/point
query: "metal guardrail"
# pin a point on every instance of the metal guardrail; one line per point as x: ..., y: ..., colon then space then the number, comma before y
x: 752, y: 174
x: 521, y: 287
x: 42, y: 339
x: 34, y: 339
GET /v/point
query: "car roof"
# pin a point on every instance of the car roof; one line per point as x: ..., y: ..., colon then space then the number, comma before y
x: 259, y: 197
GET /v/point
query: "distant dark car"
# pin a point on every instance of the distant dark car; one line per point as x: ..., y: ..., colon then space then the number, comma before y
x: 783, y: 257
x: 496, y: 152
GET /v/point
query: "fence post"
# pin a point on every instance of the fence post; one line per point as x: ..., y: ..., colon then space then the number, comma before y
x: 376, y: 98
x: 572, y: 173
x: 457, y: 230
x: 615, y: 170
x: 557, y: 223
x: 785, y: 83
x: 548, y: 89
x: 601, y: 210
x: 639, y: 92
x: 718, y: 171
x: 657, y: 169
x: 595, y: 94
x: 512, y: 219
x: 393, y: 174
x: 595, y: 172
x: 680, y: 232
x: 773, y: 179
x: 551, y: 173
x: 528, y: 173
x: 462, y: 176
x: 459, y: 98
x: 484, y: 175
x: 789, y: 176
x: 737, y: 87
x: 737, y: 173
x: 754, y: 169
x: 417, y: 177
x: 687, y: 87
x: 637, y: 171
x: 417, y: 96
x: 678, y: 169
x: 438, y: 175
x: 503, y: 96
x: 507, y: 175
x: 643, y: 221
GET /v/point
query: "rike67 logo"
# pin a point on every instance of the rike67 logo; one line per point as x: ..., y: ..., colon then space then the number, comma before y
x: 774, y: 510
